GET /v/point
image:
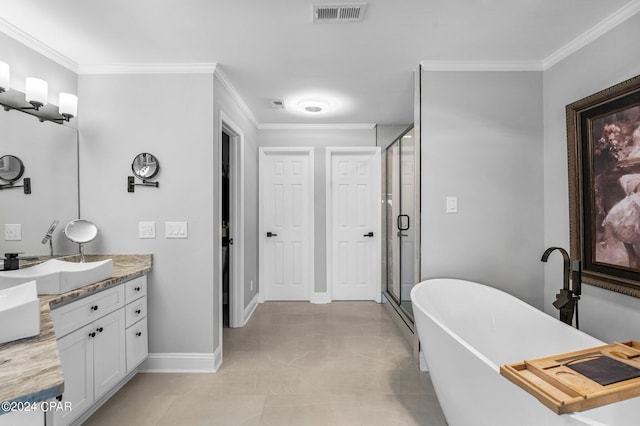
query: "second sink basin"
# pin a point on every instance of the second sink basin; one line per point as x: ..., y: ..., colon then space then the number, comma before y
x: 58, y: 276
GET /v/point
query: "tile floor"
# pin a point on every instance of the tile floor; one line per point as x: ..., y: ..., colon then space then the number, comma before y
x: 295, y: 363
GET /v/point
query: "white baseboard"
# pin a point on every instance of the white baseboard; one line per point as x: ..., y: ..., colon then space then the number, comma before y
x: 249, y: 310
x: 320, y: 298
x: 423, y: 362
x: 182, y: 362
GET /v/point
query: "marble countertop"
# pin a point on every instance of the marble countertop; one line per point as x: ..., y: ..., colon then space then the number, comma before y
x: 30, y: 368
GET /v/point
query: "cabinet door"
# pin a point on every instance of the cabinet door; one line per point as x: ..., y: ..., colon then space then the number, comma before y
x: 109, y: 359
x: 137, y: 344
x: 76, y: 357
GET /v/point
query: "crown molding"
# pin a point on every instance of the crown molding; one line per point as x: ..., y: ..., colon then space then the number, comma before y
x: 604, y: 26
x: 481, y: 65
x: 226, y: 83
x: 157, y: 68
x: 38, y: 46
x: 293, y: 126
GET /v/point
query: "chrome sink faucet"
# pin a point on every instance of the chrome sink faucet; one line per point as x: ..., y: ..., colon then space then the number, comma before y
x: 48, y: 238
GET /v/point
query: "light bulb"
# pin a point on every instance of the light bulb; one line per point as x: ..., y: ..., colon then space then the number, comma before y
x: 68, y: 105
x: 5, y: 73
x: 37, y: 92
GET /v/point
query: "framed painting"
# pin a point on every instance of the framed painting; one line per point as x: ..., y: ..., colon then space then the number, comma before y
x: 603, y: 142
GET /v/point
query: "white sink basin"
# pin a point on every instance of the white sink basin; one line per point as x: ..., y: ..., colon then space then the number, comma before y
x: 57, y: 276
x: 19, y: 312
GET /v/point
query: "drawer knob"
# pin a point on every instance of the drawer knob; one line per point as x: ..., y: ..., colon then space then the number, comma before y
x: 94, y: 308
x: 137, y: 288
x: 92, y: 334
x: 138, y: 311
x: 99, y: 329
x: 139, y: 333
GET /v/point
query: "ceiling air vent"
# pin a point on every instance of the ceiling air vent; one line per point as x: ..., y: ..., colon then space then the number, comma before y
x: 277, y: 104
x: 336, y: 13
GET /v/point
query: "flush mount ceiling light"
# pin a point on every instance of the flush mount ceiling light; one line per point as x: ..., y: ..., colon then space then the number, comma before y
x: 313, y: 106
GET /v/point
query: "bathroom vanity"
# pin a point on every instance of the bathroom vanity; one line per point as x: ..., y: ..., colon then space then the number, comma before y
x: 92, y: 340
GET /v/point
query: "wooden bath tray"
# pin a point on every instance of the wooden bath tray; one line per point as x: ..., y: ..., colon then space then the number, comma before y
x: 564, y: 390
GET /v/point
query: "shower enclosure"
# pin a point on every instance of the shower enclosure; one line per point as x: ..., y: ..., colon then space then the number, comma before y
x: 401, y: 213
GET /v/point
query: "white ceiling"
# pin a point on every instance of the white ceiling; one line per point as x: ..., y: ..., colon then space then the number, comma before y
x: 271, y: 49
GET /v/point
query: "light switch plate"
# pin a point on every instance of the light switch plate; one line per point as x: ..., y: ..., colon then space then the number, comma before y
x: 452, y: 204
x: 176, y: 230
x: 146, y: 229
x: 12, y: 232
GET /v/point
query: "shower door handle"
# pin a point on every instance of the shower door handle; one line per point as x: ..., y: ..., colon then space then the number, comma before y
x: 400, y: 222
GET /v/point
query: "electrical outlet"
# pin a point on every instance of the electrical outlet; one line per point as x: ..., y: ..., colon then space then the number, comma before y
x: 12, y: 232
x: 175, y: 230
x: 146, y: 229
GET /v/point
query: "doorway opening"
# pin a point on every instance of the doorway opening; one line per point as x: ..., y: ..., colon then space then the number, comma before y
x: 227, y: 241
x: 230, y: 219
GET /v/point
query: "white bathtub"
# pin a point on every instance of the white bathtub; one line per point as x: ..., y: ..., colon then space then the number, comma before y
x: 467, y: 330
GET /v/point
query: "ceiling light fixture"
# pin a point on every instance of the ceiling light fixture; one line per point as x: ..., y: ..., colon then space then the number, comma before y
x: 313, y: 106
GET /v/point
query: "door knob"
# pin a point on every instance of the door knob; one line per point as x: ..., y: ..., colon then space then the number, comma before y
x: 271, y: 234
x: 370, y: 234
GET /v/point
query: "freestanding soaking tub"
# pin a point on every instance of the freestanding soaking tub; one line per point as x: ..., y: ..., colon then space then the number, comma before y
x: 467, y: 330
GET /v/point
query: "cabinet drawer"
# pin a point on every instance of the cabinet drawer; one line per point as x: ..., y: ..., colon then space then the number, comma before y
x: 135, y: 289
x: 77, y: 314
x: 137, y: 344
x: 135, y: 311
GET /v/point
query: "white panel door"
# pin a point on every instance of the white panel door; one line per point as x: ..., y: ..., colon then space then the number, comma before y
x: 354, y: 224
x: 286, y: 223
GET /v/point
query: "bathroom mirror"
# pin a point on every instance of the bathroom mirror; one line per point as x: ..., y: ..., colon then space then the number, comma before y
x: 145, y: 166
x: 11, y: 168
x: 81, y: 231
x: 49, y: 152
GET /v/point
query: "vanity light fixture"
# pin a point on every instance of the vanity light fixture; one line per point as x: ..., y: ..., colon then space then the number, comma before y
x: 5, y: 73
x: 37, y: 92
x: 35, y: 100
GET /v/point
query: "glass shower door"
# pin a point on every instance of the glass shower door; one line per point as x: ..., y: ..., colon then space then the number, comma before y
x: 402, y: 216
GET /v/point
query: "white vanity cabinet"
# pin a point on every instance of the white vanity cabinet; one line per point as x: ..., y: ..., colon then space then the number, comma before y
x: 136, y: 322
x: 94, y: 348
